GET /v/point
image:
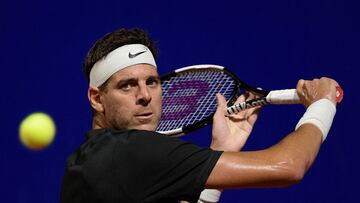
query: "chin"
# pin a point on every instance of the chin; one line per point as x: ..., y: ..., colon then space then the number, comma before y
x: 146, y: 127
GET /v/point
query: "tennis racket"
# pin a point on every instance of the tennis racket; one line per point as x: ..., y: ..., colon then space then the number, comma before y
x: 189, y: 97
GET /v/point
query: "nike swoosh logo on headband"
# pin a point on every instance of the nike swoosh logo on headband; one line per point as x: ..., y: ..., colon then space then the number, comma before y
x: 135, y: 55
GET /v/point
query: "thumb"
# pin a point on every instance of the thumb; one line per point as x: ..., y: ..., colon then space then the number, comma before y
x: 221, y: 105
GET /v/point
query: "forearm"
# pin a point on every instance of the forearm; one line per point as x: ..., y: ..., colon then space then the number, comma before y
x: 300, y: 147
x: 280, y: 165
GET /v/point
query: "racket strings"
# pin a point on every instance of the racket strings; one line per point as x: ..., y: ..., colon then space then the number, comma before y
x: 185, y: 96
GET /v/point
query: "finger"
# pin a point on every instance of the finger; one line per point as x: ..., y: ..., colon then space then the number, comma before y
x: 221, y: 105
x: 332, y: 81
x: 245, y: 97
x: 252, y: 96
x: 299, y: 87
x: 240, y: 99
x: 254, y: 115
x: 247, y: 112
x: 302, y: 88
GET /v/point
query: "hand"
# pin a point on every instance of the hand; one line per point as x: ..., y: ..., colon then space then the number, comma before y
x: 310, y: 91
x: 231, y: 133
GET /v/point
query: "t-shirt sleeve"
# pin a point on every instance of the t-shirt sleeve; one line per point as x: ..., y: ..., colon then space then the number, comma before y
x: 160, y: 167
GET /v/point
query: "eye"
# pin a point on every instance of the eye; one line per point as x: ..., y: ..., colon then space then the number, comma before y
x: 153, y: 82
x: 125, y: 87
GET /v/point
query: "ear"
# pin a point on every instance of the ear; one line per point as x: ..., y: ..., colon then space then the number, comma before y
x: 94, y: 96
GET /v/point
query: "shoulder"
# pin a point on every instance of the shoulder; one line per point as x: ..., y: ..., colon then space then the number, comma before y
x: 150, y: 140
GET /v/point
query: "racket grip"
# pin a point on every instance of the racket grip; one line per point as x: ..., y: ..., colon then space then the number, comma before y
x: 290, y: 96
x: 286, y: 96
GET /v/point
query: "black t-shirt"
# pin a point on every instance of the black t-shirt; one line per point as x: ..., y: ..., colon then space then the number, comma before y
x: 136, y: 166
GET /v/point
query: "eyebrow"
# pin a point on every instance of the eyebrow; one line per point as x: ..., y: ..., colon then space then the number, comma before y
x: 131, y: 80
x: 157, y: 77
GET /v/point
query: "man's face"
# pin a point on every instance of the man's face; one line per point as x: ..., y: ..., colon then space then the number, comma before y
x: 132, y: 98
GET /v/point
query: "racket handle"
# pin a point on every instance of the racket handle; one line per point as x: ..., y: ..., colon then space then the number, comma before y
x: 287, y: 96
x: 290, y: 96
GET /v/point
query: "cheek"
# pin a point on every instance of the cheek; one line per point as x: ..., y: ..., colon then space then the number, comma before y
x: 119, y: 115
x: 158, y: 99
x: 117, y: 106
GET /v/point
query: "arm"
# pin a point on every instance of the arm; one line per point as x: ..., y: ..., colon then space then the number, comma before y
x: 282, y: 164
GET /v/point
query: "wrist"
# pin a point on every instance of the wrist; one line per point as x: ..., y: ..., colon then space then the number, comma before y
x: 321, y: 114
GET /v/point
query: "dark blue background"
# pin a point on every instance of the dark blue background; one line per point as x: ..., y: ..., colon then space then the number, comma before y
x: 270, y: 44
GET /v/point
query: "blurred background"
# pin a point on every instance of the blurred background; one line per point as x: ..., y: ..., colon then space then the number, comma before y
x: 270, y: 44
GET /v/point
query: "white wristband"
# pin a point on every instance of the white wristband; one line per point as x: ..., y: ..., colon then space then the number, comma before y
x: 210, y: 195
x: 321, y: 114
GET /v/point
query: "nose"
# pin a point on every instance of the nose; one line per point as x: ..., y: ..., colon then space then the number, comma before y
x: 144, y: 96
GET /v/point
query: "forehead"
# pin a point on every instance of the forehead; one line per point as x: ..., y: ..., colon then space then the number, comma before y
x: 136, y: 71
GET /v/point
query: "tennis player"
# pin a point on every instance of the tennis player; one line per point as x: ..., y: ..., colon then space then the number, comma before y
x: 125, y: 160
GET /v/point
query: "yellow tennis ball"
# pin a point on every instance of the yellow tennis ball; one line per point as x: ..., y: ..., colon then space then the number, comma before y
x: 37, y: 131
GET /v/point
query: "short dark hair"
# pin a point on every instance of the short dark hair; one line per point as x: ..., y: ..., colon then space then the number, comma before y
x: 114, y: 40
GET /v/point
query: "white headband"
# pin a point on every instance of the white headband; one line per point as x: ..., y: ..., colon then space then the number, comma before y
x: 119, y: 59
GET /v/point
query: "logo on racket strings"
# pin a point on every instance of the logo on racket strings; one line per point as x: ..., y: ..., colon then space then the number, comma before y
x: 182, y: 99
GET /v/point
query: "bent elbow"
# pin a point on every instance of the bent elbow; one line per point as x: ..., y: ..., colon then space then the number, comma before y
x: 291, y: 173
x: 296, y: 175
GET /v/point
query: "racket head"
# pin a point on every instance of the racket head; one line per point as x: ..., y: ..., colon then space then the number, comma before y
x: 189, y: 96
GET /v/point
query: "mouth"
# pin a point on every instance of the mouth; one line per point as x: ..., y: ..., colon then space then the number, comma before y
x: 144, y: 116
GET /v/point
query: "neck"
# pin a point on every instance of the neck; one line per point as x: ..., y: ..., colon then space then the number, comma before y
x: 98, y: 123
